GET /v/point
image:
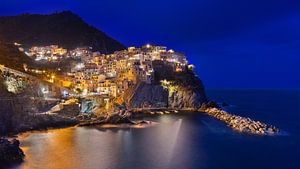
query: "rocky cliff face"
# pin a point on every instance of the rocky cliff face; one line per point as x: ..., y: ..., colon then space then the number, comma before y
x: 157, y: 96
x: 177, y: 90
x: 186, y: 97
x: 147, y: 95
x: 19, y: 112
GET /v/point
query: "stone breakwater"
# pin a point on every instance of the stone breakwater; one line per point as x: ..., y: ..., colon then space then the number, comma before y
x: 242, y: 124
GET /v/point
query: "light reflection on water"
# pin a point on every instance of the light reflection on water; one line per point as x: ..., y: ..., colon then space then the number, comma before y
x: 181, y: 141
x: 153, y: 147
x: 189, y: 141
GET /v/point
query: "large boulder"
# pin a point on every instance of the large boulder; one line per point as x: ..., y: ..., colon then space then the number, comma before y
x: 10, y: 153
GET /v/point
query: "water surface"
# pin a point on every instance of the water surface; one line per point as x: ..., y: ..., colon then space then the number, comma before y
x: 182, y: 141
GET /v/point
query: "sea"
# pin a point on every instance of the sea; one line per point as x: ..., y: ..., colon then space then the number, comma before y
x: 179, y: 141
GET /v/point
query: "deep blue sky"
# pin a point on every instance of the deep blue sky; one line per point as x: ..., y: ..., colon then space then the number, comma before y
x: 233, y: 43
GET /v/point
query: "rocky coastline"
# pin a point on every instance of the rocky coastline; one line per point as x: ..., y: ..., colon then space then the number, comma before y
x: 115, y: 119
x: 10, y: 152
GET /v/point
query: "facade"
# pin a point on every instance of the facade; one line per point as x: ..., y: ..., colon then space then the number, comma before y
x: 107, y: 87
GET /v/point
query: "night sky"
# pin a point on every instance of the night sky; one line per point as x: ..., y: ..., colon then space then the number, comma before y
x: 233, y: 43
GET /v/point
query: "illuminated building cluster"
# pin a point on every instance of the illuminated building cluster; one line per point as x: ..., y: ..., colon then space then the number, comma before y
x: 108, y: 75
x: 113, y: 74
x: 47, y: 53
x: 55, y: 53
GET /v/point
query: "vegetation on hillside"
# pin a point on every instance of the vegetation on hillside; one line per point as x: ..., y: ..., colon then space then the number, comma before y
x: 64, y: 29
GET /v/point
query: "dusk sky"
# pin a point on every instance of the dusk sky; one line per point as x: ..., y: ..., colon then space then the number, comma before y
x: 233, y: 43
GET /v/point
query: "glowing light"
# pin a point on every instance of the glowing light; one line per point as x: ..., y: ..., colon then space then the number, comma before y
x: 65, y: 93
x: 171, y: 51
x: 79, y: 66
x: 44, y: 90
x: 17, y: 44
x: 84, y: 92
x: 191, y: 67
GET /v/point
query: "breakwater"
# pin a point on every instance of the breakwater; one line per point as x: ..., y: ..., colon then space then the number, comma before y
x: 242, y: 124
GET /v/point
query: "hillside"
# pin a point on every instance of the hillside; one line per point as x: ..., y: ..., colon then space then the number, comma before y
x: 64, y: 29
x: 11, y: 57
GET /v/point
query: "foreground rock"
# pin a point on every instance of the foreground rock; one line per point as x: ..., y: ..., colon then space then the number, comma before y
x: 115, y: 119
x: 44, y: 122
x: 61, y: 115
x: 241, y: 124
x: 10, y: 153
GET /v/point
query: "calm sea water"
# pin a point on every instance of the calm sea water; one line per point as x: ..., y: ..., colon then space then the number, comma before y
x: 183, y: 141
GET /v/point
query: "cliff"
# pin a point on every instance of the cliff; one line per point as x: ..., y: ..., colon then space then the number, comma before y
x: 64, y: 29
x: 176, y: 90
x: 23, y: 111
x: 186, y: 97
x: 147, y: 95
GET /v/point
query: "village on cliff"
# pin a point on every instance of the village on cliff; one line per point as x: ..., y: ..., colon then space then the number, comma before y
x: 100, y: 74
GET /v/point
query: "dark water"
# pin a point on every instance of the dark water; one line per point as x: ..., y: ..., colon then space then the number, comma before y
x: 183, y: 141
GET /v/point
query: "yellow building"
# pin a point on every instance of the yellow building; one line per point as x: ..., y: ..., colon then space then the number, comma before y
x: 107, y: 87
